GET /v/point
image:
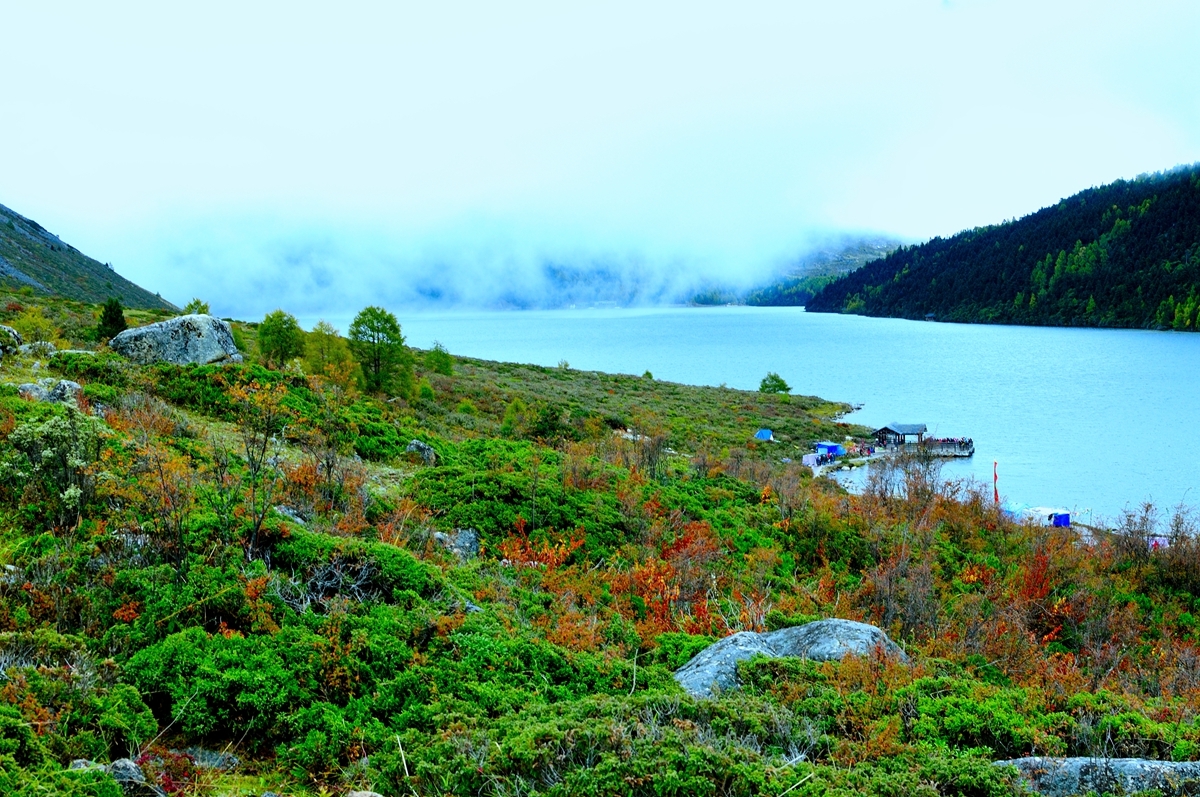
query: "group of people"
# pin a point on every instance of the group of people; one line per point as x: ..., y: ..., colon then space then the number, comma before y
x: 963, y: 443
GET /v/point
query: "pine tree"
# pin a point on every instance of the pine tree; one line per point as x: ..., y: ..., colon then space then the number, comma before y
x: 112, y: 319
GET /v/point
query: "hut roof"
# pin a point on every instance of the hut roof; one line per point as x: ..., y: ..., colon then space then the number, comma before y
x: 903, y: 428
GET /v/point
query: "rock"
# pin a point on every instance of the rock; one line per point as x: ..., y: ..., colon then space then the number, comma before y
x: 291, y: 514
x: 132, y: 780
x: 10, y: 340
x: 428, y: 455
x: 463, y: 543
x: 55, y: 391
x: 125, y: 771
x: 212, y: 759
x: 181, y: 340
x: 83, y: 763
x: 41, y: 348
x: 364, y: 794
x: 1061, y: 777
x: 471, y: 608
x: 714, y: 669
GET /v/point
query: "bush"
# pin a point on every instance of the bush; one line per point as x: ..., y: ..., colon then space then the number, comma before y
x: 105, y: 367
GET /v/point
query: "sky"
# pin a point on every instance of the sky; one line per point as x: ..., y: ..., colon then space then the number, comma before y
x: 320, y: 156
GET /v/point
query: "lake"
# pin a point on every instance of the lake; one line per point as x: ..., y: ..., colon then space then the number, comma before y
x: 1088, y: 419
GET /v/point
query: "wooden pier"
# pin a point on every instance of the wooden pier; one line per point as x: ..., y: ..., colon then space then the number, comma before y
x: 910, y: 438
x: 952, y: 448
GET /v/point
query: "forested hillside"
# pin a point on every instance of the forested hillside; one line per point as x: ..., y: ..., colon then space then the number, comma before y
x: 37, y: 260
x: 1122, y: 255
x: 819, y: 268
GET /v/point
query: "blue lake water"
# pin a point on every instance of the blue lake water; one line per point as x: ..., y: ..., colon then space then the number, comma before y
x: 1091, y: 420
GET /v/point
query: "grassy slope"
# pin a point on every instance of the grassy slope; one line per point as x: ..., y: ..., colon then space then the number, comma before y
x: 543, y: 666
x: 32, y: 257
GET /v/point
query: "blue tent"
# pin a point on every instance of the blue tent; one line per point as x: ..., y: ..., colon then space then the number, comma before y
x: 764, y: 434
x: 826, y: 447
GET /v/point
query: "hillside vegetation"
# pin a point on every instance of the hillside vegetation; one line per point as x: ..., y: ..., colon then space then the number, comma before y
x: 816, y: 270
x: 33, y: 258
x: 1121, y: 255
x: 251, y: 560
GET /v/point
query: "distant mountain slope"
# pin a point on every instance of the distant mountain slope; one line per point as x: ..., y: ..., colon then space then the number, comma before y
x: 1121, y: 255
x: 31, y: 256
x: 819, y: 268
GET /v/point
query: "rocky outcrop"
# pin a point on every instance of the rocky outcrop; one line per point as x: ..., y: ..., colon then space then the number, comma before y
x: 714, y: 669
x: 55, y: 391
x: 1065, y: 777
x: 183, y: 340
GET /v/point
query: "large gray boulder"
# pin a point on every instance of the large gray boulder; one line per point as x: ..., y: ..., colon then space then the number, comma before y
x: 182, y: 340
x: 1065, y: 777
x: 714, y: 669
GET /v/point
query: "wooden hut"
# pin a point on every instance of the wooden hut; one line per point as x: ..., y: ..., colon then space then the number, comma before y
x: 895, y: 434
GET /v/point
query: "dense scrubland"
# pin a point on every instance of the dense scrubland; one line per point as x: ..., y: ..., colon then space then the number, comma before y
x: 1120, y: 255
x: 247, y: 559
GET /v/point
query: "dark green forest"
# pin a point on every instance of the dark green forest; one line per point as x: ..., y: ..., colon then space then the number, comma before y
x: 1121, y: 255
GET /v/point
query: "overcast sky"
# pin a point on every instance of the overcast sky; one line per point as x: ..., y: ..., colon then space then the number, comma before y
x: 319, y: 154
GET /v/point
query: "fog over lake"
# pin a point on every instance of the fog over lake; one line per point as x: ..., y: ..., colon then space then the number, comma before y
x: 1089, y: 419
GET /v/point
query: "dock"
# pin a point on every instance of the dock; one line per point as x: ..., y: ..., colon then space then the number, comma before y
x: 910, y: 438
x: 950, y: 449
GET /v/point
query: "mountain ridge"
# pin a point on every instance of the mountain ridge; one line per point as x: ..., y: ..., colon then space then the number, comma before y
x: 33, y: 257
x: 1126, y: 254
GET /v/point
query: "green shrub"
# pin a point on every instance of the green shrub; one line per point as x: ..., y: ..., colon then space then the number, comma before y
x: 101, y: 394
x: 105, y: 368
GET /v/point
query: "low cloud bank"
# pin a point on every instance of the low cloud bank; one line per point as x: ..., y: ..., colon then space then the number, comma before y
x: 246, y: 270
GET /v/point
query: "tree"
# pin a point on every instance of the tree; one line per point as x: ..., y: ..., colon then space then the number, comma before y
x: 773, y: 383
x: 377, y: 344
x: 280, y: 338
x: 261, y: 418
x: 439, y: 360
x: 195, y: 306
x: 112, y: 319
x: 326, y: 354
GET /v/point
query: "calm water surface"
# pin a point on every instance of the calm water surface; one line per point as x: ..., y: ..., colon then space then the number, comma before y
x: 1092, y: 420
